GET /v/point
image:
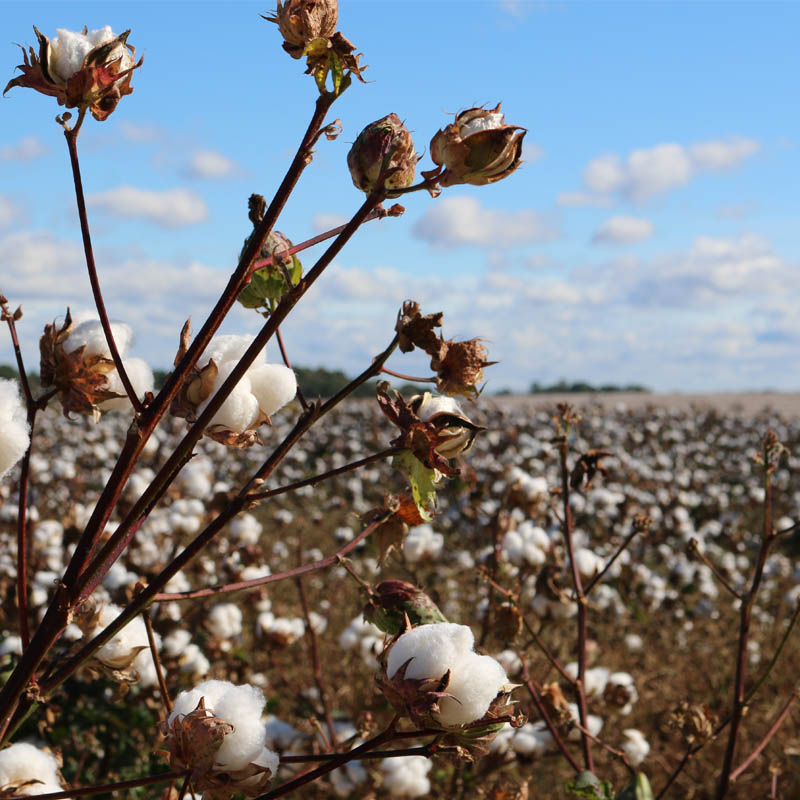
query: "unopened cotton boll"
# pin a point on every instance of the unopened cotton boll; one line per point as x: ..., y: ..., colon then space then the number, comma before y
x: 23, y: 762
x: 433, y: 650
x: 241, y: 706
x: 14, y: 429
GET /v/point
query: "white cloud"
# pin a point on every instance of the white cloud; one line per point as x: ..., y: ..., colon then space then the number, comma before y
x: 212, y: 165
x: 25, y: 149
x: 723, y: 154
x: 168, y: 208
x: 581, y: 199
x: 623, y: 230
x: 10, y: 212
x: 460, y: 220
x: 647, y: 172
x: 325, y: 222
x: 141, y: 133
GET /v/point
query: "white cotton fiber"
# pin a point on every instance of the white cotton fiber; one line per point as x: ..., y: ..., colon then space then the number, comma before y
x: 117, y: 652
x: 240, y: 409
x: 68, y: 50
x: 23, y: 762
x: 141, y: 378
x: 434, y: 649
x: 228, y: 347
x: 636, y: 747
x: 406, y: 776
x: 14, y: 428
x: 225, y: 620
x: 273, y: 386
x: 241, y: 706
x: 89, y: 333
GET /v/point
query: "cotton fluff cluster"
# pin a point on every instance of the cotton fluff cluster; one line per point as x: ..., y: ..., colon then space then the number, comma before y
x: 23, y: 762
x: 527, y: 545
x: 365, y: 637
x: 241, y: 706
x: 636, y: 747
x: 263, y: 389
x: 88, y: 332
x: 431, y: 651
x: 68, y: 50
x: 406, y: 776
x: 14, y: 428
x: 422, y: 543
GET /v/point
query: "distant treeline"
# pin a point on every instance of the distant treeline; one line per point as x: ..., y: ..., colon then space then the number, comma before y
x: 568, y: 387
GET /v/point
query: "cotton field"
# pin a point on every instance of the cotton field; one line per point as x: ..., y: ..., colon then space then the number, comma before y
x: 667, y: 512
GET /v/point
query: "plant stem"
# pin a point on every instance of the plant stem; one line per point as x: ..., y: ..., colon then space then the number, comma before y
x: 409, y: 378
x: 285, y: 357
x: 162, y: 684
x: 87, y: 791
x: 71, y: 135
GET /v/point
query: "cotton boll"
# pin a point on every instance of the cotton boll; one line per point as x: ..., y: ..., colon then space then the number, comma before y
x: 635, y: 747
x: 347, y: 778
x: 22, y: 762
x: 273, y: 386
x: 406, y: 776
x: 245, y: 529
x: 119, y: 651
x: 240, y: 410
x: 176, y: 641
x: 532, y: 739
x: 422, y: 542
x: 225, y: 620
x: 14, y: 427
x: 431, y: 649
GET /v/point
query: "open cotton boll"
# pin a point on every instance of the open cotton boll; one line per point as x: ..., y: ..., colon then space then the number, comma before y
x: 225, y: 620
x: 69, y: 49
x: 123, y: 647
x: 431, y: 651
x: 635, y: 747
x: 22, y: 762
x: 14, y: 428
x: 273, y: 386
x: 89, y: 333
x: 239, y: 411
x: 241, y: 706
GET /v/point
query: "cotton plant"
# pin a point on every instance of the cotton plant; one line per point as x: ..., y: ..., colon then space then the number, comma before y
x: 215, y: 732
x: 260, y: 392
x: 14, y: 428
x: 29, y: 770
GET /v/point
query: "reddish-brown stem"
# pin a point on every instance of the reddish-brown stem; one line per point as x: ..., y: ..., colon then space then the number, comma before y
x: 537, y: 700
x: 546, y: 651
x: 745, y: 614
x: 687, y: 756
x: 162, y: 684
x: 71, y: 135
x: 291, y: 487
x: 566, y: 528
x: 607, y: 747
x: 288, y: 363
x: 422, y: 750
x: 409, y: 378
x: 87, y: 791
x: 240, y: 586
x: 313, y: 651
x: 765, y: 741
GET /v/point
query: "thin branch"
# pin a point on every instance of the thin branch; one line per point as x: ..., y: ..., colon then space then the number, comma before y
x: 162, y: 684
x: 422, y: 750
x: 409, y: 378
x: 613, y: 750
x: 87, y: 791
x: 775, y: 656
x: 694, y: 552
x: 285, y: 357
x: 687, y: 756
x: 547, y: 653
x: 620, y: 550
x: 765, y: 741
x: 71, y: 135
x: 291, y: 487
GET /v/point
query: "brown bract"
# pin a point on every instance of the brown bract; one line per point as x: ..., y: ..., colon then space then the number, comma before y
x: 98, y: 85
x: 81, y: 382
x: 192, y: 742
x: 458, y: 365
x: 300, y: 21
x: 478, y: 148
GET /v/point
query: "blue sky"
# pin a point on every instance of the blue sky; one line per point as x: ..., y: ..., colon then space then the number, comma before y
x: 651, y: 235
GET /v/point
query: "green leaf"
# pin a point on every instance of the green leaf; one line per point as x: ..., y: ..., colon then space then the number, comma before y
x: 638, y: 789
x: 422, y: 480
